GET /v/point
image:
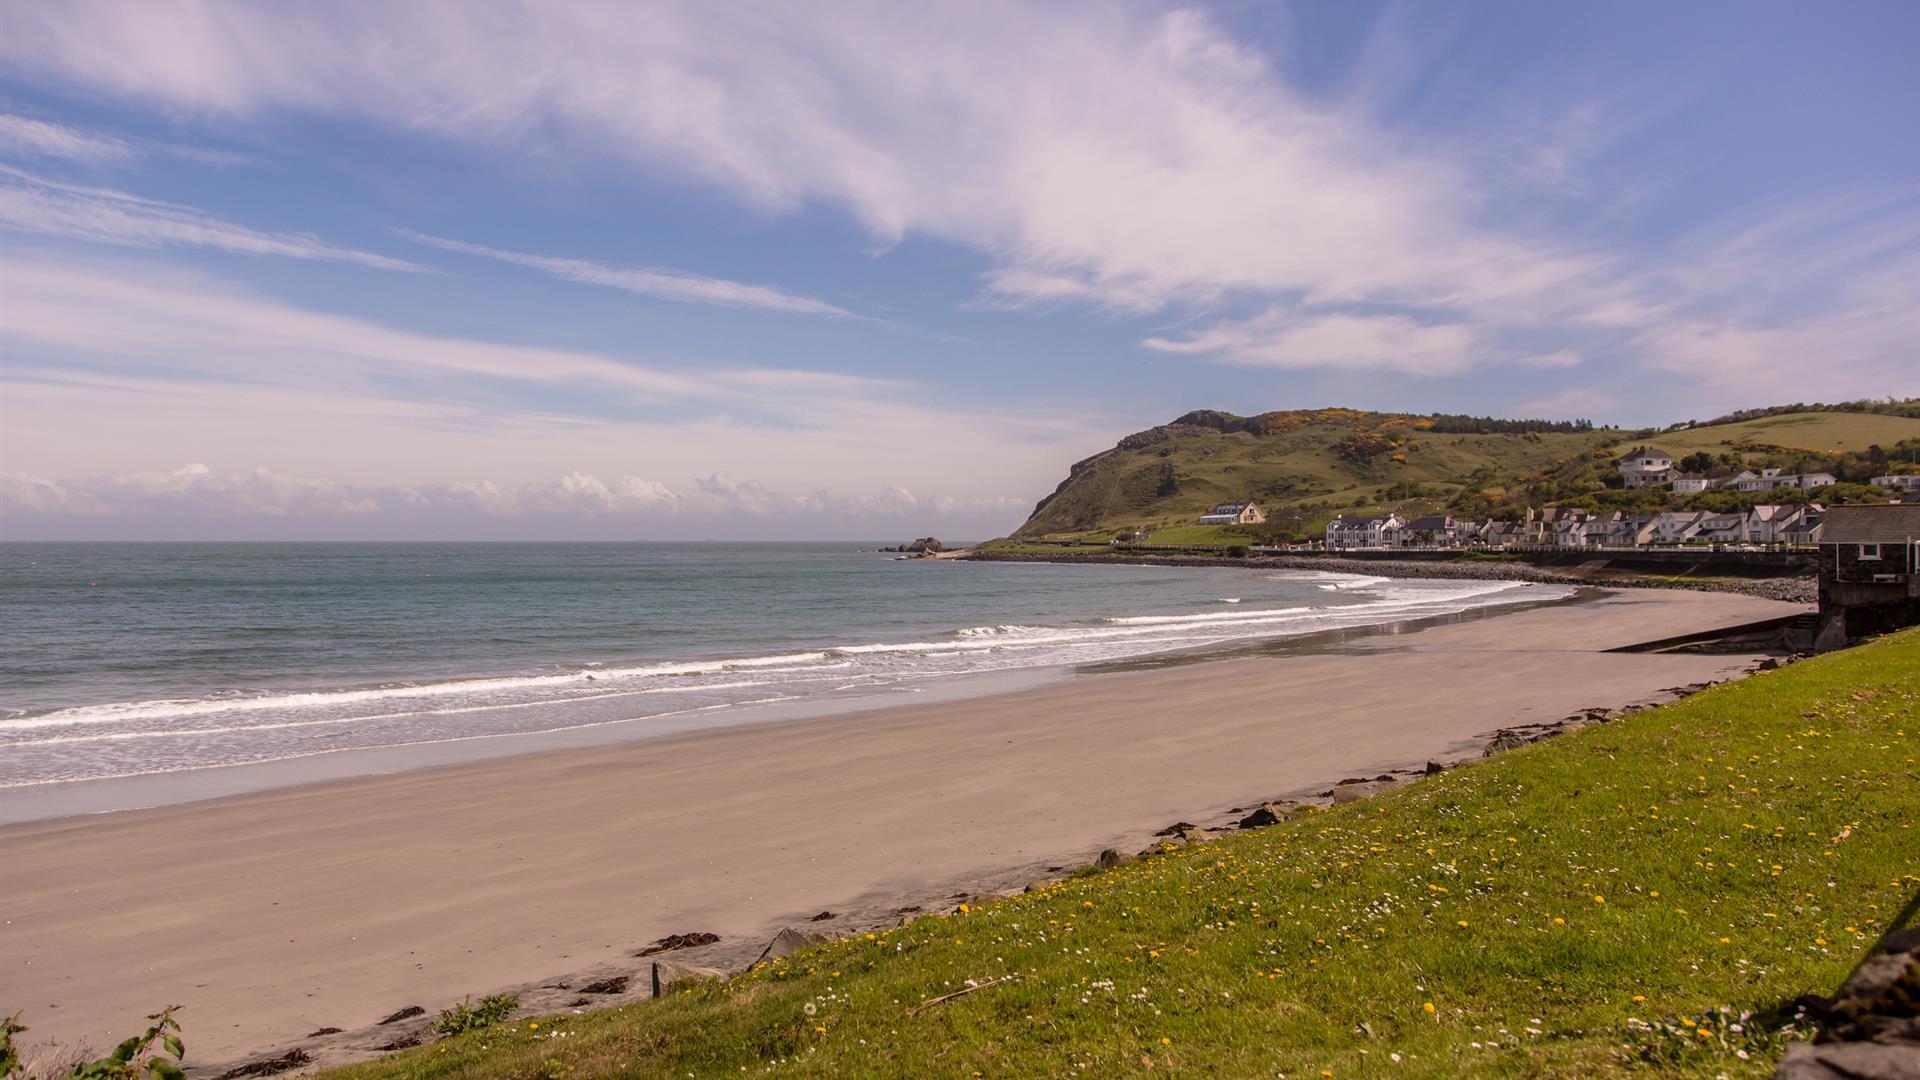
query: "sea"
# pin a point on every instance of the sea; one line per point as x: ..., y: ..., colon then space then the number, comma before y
x: 124, y: 660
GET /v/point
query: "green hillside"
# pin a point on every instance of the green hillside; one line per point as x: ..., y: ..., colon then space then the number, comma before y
x: 1304, y: 466
x: 1608, y: 903
x: 1828, y: 433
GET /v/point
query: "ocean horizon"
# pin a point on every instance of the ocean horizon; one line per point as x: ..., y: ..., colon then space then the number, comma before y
x: 128, y: 660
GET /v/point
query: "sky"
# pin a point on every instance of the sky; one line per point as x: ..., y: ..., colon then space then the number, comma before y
x: 479, y: 269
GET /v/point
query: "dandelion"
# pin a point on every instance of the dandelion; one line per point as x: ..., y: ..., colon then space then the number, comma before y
x: 1427, y: 1008
x: 1166, y: 1041
x: 1558, y: 921
x: 1598, y: 899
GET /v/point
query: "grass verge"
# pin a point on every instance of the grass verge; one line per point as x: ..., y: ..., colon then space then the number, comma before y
x: 1607, y: 903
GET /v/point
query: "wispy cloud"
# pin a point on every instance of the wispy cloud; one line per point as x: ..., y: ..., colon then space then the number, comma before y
x: 50, y: 207
x: 114, y: 362
x: 23, y: 136
x: 1286, y: 339
x: 661, y: 283
x: 198, y: 493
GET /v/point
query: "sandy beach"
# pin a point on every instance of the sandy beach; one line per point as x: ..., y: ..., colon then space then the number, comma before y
x: 272, y: 914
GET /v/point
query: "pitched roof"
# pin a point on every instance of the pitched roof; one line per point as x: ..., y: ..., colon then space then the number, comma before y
x: 1431, y: 521
x: 1228, y: 508
x: 1897, y: 524
x: 1644, y: 451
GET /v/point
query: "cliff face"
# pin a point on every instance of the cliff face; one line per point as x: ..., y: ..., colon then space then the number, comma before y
x: 1309, y: 460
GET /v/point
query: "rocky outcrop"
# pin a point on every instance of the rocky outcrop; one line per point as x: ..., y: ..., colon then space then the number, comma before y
x: 786, y: 943
x: 669, y: 973
x: 1871, y: 1029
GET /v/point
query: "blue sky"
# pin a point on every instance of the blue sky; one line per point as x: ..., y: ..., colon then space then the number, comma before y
x: 680, y: 270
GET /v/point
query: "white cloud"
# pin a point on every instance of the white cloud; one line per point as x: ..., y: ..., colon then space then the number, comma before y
x: 48, y: 207
x: 26, y: 137
x: 1124, y: 157
x: 1287, y: 339
x: 1111, y: 155
x: 662, y: 283
x: 1558, y: 358
x: 36, y: 505
x: 113, y: 364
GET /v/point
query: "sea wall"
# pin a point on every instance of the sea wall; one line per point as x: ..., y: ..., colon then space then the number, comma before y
x: 1799, y: 590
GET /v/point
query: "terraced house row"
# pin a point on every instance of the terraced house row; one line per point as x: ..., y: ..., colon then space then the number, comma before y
x: 1791, y: 523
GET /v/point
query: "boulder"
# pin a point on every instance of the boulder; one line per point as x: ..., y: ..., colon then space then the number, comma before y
x: 1108, y: 859
x: 787, y: 942
x: 1434, y: 767
x: 1871, y: 1030
x: 1849, y: 1061
x: 615, y: 985
x: 1194, y: 836
x: 1351, y: 793
x: 1175, y: 829
x: 1266, y: 814
x: 1503, y: 742
x: 407, y: 1013
x: 670, y: 973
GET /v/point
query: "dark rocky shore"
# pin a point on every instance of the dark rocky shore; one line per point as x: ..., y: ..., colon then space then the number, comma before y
x: 1796, y: 590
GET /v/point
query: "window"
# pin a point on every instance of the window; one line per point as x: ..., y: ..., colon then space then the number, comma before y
x: 1869, y: 551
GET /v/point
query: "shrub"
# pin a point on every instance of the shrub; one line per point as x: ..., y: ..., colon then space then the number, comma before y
x: 467, y: 1016
x: 154, y: 1054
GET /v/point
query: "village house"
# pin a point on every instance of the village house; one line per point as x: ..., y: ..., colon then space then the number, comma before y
x: 1690, y: 483
x: 1869, y: 572
x: 1360, y: 532
x: 1501, y: 533
x: 1722, y: 529
x: 1645, y: 465
x: 1898, y: 483
x: 1771, y: 479
x: 1677, y: 528
x: 1234, y: 514
x: 1436, y: 530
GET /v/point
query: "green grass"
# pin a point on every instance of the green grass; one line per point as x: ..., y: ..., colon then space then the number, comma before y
x: 1726, y: 852
x: 1300, y: 476
x: 1823, y: 432
x: 1207, y: 535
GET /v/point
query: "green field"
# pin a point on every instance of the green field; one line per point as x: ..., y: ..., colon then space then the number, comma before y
x: 1607, y: 903
x: 1827, y: 433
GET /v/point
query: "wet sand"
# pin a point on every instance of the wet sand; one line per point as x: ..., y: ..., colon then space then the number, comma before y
x: 271, y: 914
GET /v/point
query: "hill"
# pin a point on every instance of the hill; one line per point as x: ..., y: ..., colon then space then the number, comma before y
x: 1611, y: 902
x: 1304, y: 466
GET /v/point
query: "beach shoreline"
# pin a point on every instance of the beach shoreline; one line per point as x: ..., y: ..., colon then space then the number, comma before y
x: 277, y: 913
x: 1788, y: 588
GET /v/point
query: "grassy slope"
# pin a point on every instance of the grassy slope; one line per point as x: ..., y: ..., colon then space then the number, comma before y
x: 1823, y: 432
x: 1734, y: 849
x: 1299, y: 468
x: 1284, y: 470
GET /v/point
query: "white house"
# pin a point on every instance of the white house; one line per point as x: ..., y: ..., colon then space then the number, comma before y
x: 1723, y: 528
x: 1678, y: 528
x: 1645, y: 465
x: 1688, y: 484
x: 1805, y: 526
x: 1809, y: 481
x: 1898, y: 483
x: 1352, y: 532
x: 1233, y: 514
